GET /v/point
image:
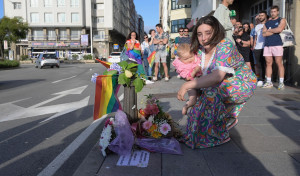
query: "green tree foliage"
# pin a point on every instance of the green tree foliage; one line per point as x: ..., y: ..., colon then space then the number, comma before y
x: 12, y: 30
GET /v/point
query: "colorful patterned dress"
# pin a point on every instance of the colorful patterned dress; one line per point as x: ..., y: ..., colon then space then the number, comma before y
x: 207, y: 119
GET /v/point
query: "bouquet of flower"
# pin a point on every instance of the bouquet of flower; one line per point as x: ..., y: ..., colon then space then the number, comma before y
x: 156, y: 123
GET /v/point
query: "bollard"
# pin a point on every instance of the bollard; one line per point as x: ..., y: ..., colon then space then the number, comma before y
x: 130, y: 103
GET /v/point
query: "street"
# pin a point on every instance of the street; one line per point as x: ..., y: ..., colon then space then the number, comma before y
x: 41, y: 112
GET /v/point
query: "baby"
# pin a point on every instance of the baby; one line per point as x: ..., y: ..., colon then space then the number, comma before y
x: 187, y: 65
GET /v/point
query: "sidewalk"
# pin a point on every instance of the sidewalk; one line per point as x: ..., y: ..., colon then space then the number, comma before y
x: 266, y: 141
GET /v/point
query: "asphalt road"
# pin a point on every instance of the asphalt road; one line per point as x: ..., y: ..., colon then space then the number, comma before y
x: 41, y: 112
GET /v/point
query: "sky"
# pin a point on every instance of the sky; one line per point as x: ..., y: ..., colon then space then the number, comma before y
x: 148, y: 9
x: 1, y: 9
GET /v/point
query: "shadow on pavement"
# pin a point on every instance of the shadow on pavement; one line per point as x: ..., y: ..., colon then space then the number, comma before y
x: 17, y: 83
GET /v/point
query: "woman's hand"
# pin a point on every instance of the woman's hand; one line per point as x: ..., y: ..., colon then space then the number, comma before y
x: 182, y: 91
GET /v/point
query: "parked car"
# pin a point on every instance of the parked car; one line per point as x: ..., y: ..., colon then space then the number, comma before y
x: 114, y: 57
x: 47, y: 60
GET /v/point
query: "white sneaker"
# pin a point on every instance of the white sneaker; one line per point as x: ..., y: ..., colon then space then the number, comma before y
x: 154, y: 78
x: 166, y: 79
x: 178, y: 76
x: 149, y: 82
x: 260, y: 83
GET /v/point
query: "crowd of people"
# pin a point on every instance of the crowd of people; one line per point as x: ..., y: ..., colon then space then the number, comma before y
x: 222, y: 62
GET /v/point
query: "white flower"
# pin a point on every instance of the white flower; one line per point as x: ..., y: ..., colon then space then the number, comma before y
x: 105, y: 138
x: 151, y: 118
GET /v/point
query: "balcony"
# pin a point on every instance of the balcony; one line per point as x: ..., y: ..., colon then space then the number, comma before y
x: 100, y: 38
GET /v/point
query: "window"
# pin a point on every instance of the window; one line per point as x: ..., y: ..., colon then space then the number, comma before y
x: 176, y: 24
x: 99, y: 6
x: 63, y: 34
x: 61, y: 17
x: 100, y: 19
x: 48, y: 3
x: 74, y: 3
x: 48, y: 18
x: 34, y: 3
x: 175, y: 6
x: 75, y: 34
x: 17, y: 5
x: 38, y: 34
x: 75, y: 17
x: 34, y: 17
x: 61, y: 3
x: 256, y: 8
x: 101, y: 34
x: 51, y: 34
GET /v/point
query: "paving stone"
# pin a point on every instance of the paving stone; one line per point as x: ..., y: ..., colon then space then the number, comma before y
x: 109, y: 167
x: 251, y: 164
x: 191, y: 163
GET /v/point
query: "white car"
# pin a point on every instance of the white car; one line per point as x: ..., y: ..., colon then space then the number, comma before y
x: 114, y: 57
x: 47, y: 60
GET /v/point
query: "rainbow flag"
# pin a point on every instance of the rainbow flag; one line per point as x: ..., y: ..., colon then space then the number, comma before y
x: 105, y: 64
x: 134, y: 53
x: 106, y: 99
x: 151, y: 59
x: 175, y: 49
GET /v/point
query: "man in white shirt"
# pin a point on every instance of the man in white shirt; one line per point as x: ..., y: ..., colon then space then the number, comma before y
x: 259, y: 44
x: 222, y: 13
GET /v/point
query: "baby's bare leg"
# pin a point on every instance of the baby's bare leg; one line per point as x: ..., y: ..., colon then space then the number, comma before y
x: 191, y: 102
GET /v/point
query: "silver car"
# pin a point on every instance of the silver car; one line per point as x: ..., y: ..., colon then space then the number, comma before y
x: 47, y: 60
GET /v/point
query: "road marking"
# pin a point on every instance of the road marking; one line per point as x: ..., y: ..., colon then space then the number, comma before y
x: 36, y: 110
x: 64, y: 79
x: 64, y: 155
x: 121, y: 97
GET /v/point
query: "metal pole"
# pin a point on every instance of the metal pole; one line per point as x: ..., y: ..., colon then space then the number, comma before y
x: 91, y: 30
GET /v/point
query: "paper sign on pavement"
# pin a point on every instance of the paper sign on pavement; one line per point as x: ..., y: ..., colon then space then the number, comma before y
x: 139, y: 158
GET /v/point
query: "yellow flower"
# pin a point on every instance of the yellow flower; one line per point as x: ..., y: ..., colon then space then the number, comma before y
x: 128, y: 74
x: 152, y: 128
x: 156, y: 134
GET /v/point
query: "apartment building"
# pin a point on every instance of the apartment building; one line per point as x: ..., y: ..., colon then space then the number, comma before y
x: 174, y: 16
x: 68, y: 27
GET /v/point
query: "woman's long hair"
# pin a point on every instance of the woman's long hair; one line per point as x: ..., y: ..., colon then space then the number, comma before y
x: 218, y: 33
x: 129, y: 36
x: 249, y: 29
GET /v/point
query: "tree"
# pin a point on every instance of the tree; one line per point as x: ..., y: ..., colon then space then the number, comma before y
x: 12, y: 30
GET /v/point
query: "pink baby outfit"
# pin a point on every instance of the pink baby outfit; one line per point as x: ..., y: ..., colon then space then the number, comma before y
x: 185, y: 70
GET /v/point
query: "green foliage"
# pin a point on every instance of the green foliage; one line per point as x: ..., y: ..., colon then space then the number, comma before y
x: 9, y: 63
x: 88, y: 57
x: 24, y: 57
x: 75, y: 56
x: 12, y: 30
x: 128, y: 75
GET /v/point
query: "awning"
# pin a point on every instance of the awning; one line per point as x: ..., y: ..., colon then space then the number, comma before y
x: 184, y: 2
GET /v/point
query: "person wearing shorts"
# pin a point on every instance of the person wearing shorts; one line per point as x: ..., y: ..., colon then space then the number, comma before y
x: 161, y: 40
x: 274, y: 46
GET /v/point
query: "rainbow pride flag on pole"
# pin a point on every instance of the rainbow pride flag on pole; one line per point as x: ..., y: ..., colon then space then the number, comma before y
x: 151, y: 59
x: 105, y: 64
x: 106, y: 99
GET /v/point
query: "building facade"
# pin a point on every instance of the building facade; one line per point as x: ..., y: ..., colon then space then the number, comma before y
x: 174, y: 16
x: 68, y: 27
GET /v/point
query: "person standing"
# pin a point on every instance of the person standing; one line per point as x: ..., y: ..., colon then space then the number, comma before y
x: 274, y: 46
x: 259, y: 44
x: 242, y: 40
x: 222, y: 13
x: 185, y: 38
x: 160, y: 41
x: 180, y: 31
x: 146, y: 52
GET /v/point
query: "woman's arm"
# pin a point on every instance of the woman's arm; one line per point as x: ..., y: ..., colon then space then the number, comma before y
x: 206, y: 81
